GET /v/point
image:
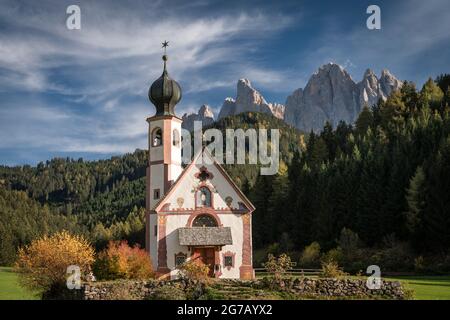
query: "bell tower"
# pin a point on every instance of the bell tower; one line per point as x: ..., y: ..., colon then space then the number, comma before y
x: 164, y: 145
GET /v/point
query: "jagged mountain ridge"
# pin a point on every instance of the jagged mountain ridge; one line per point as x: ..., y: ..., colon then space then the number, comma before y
x: 330, y: 95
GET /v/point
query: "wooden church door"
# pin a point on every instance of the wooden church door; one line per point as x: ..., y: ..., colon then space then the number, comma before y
x: 207, y: 257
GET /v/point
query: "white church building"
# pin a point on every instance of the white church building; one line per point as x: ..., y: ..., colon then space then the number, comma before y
x: 193, y: 213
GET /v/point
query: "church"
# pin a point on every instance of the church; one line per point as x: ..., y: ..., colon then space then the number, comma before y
x: 195, y: 212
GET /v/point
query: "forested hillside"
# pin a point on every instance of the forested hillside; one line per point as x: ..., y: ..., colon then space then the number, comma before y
x: 381, y: 184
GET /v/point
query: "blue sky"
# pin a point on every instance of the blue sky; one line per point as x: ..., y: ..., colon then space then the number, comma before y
x: 84, y: 92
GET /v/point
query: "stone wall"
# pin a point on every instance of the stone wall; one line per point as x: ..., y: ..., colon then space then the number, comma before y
x: 126, y: 289
x: 339, y: 288
x: 303, y: 287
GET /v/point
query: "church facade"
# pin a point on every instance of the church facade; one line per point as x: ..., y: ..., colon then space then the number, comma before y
x: 193, y: 213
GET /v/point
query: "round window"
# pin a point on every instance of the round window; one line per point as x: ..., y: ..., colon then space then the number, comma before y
x: 204, y: 220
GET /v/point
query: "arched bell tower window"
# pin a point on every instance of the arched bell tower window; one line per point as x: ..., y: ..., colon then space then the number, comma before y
x: 156, y: 137
x: 176, y: 138
x: 203, y: 197
x: 204, y: 220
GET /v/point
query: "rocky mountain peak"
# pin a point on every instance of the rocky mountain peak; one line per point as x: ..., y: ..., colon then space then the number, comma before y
x: 204, y: 114
x: 332, y: 95
x: 248, y: 99
x: 205, y: 111
x: 369, y: 73
x: 247, y: 95
x: 389, y: 83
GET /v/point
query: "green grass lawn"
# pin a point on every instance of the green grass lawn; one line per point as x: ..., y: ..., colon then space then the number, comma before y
x: 426, y: 287
x: 9, y: 287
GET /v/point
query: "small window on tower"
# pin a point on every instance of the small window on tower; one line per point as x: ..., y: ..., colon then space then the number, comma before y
x: 176, y: 138
x: 155, y: 230
x: 156, y: 137
x: 156, y: 194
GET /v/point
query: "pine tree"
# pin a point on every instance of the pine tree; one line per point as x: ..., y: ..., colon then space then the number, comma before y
x: 431, y: 95
x: 415, y: 198
x: 364, y: 121
x: 435, y: 235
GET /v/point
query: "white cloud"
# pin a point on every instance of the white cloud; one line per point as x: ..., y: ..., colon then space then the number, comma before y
x: 106, y: 68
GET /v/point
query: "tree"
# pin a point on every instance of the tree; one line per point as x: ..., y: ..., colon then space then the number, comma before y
x: 330, y: 140
x: 310, y: 256
x: 364, y: 121
x: 436, y: 216
x: 410, y: 96
x: 392, y: 112
x: 443, y: 81
x: 42, y: 265
x: 431, y: 95
x: 415, y: 199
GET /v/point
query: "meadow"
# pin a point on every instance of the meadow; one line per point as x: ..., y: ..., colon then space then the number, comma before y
x: 10, y: 288
x: 425, y: 287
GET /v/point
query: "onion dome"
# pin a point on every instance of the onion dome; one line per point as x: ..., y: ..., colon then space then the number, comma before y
x: 165, y: 93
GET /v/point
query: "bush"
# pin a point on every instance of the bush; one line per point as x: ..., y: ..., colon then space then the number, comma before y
x: 194, y: 271
x: 120, y: 261
x: 310, y: 257
x: 42, y: 265
x: 278, y: 266
x: 419, y: 264
x: 397, y: 257
x: 331, y: 269
x: 334, y: 255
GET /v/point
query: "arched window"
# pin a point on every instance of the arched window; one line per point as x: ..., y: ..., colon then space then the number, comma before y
x: 156, y: 137
x: 176, y: 138
x: 204, y: 220
x: 203, y: 197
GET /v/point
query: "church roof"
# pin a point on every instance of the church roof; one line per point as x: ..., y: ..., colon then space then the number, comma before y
x: 205, y: 151
x: 164, y: 93
x: 205, y: 236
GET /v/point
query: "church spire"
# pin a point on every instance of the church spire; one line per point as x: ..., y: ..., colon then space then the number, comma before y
x: 165, y: 93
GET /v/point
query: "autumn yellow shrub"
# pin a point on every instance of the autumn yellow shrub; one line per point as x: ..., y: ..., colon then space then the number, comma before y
x: 193, y: 270
x: 278, y: 266
x: 330, y: 269
x: 120, y: 261
x: 43, y: 263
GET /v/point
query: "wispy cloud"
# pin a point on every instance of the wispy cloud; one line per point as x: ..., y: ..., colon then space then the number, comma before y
x: 86, y: 90
x: 102, y: 72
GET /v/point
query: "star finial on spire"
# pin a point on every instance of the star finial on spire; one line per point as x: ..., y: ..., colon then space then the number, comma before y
x: 165, y: 44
